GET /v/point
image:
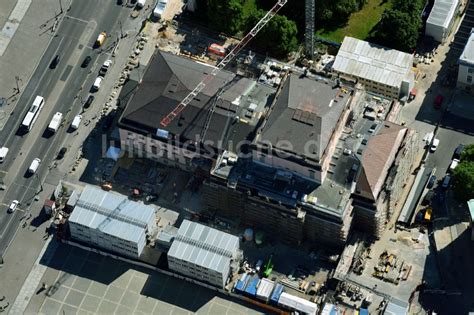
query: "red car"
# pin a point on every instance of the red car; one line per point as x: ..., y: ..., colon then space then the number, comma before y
x: 438, y: 101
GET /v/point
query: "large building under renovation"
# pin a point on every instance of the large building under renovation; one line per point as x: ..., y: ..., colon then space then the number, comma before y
x: 288, y: 186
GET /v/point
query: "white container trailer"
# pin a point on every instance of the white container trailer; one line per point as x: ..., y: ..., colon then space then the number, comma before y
x: 55, y: 122
x: 298, y: 304
x: 264, y: 289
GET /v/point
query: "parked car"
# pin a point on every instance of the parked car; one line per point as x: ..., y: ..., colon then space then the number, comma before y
x: 54, y: 62
x: 458, y: 151
x: 89, y: 101
x: 160, y: 8
x: 434, y: 145
x: 34, y: 166
x: 372, y: 128
x: 86, y: 62
x: 61, y: 153
x: 454, y: 164
x: 97, y: 84
x: 76, y: 122
x: 431, y: 182
x: 13, y: 206
x: 3, y: 153
x: 446, y: 181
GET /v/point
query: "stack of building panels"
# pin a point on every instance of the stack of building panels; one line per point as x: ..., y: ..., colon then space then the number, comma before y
x: 298, y: 304
x: 241, y: 283
x: 265, y: 288
x: 276, y: 293
x: 251, y: 289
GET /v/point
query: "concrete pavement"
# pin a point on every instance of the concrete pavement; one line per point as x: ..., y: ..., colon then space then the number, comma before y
x: 62, y: 85
x: 59, y: 86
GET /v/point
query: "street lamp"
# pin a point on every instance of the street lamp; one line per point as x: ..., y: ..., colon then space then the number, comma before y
x: 61, y: 7
x: 41, y: 185
x: 17, y: 79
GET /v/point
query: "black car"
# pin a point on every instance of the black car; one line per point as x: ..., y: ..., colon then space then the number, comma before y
x: 458, y: 152
x: 61, y: 153
x: 54, y: 62
x: 431, y: 182
x: 89, y: 101
x: 86, y: 61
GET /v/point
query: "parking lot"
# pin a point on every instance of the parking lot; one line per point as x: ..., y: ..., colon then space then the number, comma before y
x: 85, y: 282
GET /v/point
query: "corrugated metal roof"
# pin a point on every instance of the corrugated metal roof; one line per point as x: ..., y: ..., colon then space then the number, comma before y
x: 467, y: 56
x: 112, y: 213
x: 396, y: 307
x: 265, y: 288
x: 470, y: 205
x: 297, y: 303
x: 204, y: 246
x: 443, y: 12
x: 372, y: 62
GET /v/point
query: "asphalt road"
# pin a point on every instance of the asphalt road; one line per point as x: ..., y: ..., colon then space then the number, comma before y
x: 74, y: 41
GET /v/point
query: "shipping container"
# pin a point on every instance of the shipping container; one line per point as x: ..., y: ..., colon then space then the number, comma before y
x: 297, y: 304
x: 276, y: 293
x: 265, y: 288
x: 251, y: 289
x: 241, y: 283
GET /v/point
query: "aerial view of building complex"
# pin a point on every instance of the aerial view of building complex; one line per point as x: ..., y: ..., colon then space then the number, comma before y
x: 223, y: 157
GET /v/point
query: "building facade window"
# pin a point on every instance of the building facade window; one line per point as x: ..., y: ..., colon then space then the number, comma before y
x: 470, y: 70
x: 469, y: 79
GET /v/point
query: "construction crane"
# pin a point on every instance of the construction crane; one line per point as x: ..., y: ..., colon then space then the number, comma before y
x: 221, y: 65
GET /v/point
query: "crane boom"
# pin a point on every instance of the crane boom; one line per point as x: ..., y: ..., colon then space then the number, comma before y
x: 221, y: 65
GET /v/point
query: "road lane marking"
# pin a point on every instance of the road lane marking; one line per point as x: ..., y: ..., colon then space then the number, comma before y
x: 76, y: 19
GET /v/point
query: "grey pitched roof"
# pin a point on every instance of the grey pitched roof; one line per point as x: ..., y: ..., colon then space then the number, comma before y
x: 169, y: 79
x: 204, y: 246
x: 112, y: 213
x: 305, y: 111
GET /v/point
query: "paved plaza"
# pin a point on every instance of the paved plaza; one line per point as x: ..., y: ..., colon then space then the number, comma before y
x: 83, y: 282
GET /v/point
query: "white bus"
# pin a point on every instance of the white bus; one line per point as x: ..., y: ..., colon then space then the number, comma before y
x: 33, y: 113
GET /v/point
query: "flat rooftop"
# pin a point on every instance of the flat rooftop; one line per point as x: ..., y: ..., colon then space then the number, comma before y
x: 442, y: 12
x: 286, y: 187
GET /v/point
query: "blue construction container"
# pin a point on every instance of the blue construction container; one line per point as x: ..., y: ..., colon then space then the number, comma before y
x: 251, y: 289
x: 277, y: 291
x: 241, y: 283
x: 363, y: 311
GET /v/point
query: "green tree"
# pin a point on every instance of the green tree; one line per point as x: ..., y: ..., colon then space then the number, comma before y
x: 278, y: 36
x: 463, y: 180
x: 398, y: 30
x: 468, y: 153
x: 230, y: 16
x: 463, y: 175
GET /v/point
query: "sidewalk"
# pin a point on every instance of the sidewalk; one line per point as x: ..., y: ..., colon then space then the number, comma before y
x: 24, y: 267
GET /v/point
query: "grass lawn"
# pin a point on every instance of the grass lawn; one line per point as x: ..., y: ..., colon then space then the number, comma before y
x: 360, y: 23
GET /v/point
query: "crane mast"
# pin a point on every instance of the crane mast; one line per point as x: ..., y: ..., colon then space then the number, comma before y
x: 223, y: 63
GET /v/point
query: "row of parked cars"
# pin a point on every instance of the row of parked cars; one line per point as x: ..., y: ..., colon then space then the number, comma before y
x: 456, y: 159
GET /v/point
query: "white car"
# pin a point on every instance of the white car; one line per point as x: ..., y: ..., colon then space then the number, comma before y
x: 13, y: 206
x: 34, y: 166
x: 160, y: 8
x: 97, y: 84
x: 434, y: 145
x: 454, y: 164
x: 76, y: 122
